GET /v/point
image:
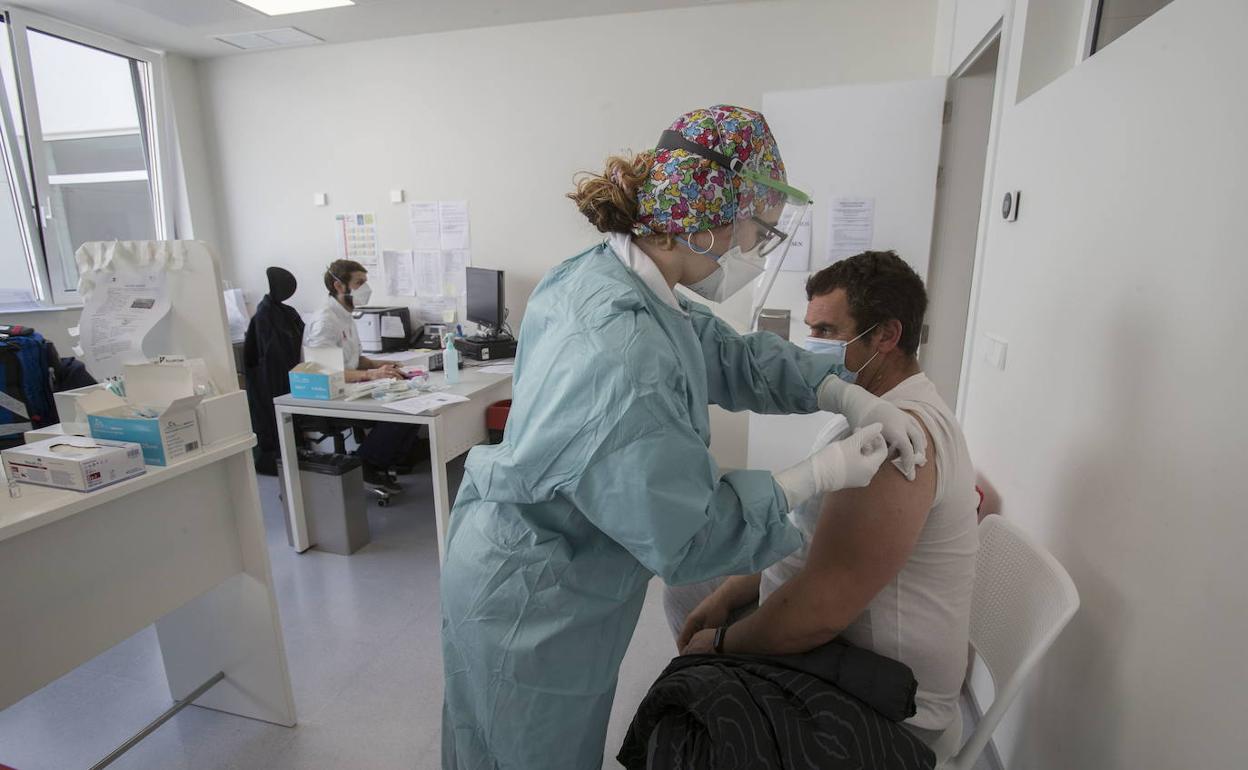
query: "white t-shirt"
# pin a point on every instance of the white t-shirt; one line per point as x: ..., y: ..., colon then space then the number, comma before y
x: 922, y: 617
x: 333, y: 327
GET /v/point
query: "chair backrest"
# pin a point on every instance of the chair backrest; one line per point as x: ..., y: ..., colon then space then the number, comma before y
x: 1022, y: 600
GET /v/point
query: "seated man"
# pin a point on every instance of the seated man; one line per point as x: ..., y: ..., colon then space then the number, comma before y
x: 887, y: 567
x: 388, y: 444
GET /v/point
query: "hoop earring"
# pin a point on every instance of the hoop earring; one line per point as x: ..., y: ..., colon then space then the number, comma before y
x: 689, y: 243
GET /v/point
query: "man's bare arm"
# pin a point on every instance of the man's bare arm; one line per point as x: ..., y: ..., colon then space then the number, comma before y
x: 862, y: 540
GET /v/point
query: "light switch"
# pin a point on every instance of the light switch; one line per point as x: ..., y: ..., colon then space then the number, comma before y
x: 995, y: 353
x: 396, y: 196
x: 319, y: 199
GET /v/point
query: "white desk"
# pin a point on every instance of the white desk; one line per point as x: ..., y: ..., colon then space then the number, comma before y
x: 453, y: 430
x: 182, y: 547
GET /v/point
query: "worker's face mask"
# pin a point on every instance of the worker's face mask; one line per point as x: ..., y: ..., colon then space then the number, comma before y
x: 837, y: 348
x: 361, y: 294
x: 737, y: 268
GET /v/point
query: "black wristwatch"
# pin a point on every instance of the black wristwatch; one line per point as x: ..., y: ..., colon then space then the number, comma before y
x: 718, y: 644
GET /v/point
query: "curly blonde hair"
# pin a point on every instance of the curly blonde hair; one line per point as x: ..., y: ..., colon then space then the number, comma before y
x: 609, y: 200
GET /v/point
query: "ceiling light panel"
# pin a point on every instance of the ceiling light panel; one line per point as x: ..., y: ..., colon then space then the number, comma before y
x: 279, y: 7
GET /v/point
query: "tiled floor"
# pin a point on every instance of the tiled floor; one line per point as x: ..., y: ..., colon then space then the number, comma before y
x: 362, y: 640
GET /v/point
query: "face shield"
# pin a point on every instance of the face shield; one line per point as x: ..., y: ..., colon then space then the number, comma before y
x: 766, y: 234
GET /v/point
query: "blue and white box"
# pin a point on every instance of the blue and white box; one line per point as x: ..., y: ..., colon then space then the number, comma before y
x: 320, y: 376
x: 167, y: 434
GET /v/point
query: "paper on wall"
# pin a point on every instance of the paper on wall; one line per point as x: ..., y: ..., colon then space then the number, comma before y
x: 437, y: 310
x: 357, y: 238
x: 428, y: 273
x: 121, y: 309
x: 851, y: 228
x: 798, y: 257
x: 400, y: 273
x: 454, y: 278
x: 453, y: 224
x: 423, y: 220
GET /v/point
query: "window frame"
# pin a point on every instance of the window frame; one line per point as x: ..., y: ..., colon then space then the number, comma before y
x: 150, y: 101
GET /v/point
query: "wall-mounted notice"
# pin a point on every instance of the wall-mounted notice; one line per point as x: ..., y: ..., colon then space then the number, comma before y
x: 400, y: 273
x: 797, y: 259
x: 357, y: 238
x: 851, y: 228
x: 423, y: 219
x: 441, y: 250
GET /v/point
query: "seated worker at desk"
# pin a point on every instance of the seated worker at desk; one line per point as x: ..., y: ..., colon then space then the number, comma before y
x: 888, y: 567
x: 388, y: 444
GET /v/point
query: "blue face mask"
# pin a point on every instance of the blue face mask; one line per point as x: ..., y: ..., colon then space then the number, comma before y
x: 837, y: 348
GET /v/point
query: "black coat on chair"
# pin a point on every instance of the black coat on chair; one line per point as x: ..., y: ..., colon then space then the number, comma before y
x: 272, y: 347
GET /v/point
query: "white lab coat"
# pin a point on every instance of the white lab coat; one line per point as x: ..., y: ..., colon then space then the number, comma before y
x: 333, y: 327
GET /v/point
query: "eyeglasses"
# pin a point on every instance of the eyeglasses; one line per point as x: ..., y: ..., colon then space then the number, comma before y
x: 770, y: 237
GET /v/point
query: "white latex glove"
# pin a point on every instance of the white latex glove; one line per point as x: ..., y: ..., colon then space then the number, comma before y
x: 850, y: 462
x: 907, y: 444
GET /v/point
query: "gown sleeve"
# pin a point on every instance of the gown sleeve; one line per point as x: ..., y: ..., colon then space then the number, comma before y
x: 645, y: 478
x: 758, y: 372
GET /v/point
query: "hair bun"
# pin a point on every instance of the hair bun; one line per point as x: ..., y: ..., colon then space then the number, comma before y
x: 609, y: 200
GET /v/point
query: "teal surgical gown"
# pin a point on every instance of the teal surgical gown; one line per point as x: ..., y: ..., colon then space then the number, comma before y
x: 603, y: 479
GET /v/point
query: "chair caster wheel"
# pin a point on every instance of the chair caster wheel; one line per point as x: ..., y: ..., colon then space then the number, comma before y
x: 383, y: 503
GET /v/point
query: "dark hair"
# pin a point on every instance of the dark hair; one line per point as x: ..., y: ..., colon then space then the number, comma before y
x: 880, y: 286
x: 341, y: 270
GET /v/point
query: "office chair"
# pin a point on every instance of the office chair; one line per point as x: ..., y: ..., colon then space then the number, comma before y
x: 1022, y: 600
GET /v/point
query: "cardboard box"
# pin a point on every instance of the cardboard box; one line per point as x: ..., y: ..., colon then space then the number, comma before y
x: 320, y: 376
x: 74, y: 462
x: 73, y: 418
x: 167, y: 434
x: 223, y: 417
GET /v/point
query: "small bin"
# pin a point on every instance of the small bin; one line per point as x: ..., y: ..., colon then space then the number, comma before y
x: 496, y: 419
x: 333, y: 501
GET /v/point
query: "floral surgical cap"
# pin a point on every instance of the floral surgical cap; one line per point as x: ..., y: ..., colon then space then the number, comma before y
x: 687, y: 193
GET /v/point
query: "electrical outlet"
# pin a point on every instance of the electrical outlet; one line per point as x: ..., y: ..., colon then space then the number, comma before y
x: 319, y: 199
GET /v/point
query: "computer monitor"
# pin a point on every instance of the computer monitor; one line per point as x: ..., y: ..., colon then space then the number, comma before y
x: 486, y: 305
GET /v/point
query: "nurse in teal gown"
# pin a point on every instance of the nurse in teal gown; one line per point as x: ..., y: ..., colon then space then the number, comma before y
x: 604, y: 478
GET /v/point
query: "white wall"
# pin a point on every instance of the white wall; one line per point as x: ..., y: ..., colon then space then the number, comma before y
x: 504, y: 117
x: 1115, y: 432
x: 961, y: 25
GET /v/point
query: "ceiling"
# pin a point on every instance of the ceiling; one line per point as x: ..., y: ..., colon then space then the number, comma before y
x: 188, y: 26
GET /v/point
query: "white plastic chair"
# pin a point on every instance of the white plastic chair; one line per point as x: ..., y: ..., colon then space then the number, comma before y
x: 1022, y: 600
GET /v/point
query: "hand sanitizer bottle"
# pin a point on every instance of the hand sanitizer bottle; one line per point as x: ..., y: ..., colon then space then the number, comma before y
x: 450, y: 359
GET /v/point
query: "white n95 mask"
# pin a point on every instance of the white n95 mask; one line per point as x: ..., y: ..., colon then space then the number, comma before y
x: 361, y: 294
x: 737, y: 269
x: 837, y: 348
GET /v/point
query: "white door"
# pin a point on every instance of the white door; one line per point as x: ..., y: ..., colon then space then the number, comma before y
x: 877, y: 142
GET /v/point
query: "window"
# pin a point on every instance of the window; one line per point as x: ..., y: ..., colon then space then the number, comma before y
x: 82, y: 152
x: 1115, y: 18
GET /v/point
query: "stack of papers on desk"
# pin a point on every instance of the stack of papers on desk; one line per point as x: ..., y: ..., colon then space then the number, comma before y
x: 430, y: 402
x: 497, y: 369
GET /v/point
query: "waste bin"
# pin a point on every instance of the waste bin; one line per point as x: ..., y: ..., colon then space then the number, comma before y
x: 496, y: 419
x: 333, y: 502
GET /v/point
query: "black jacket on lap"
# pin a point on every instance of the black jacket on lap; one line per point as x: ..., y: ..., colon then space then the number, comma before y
x: 834, y: 707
